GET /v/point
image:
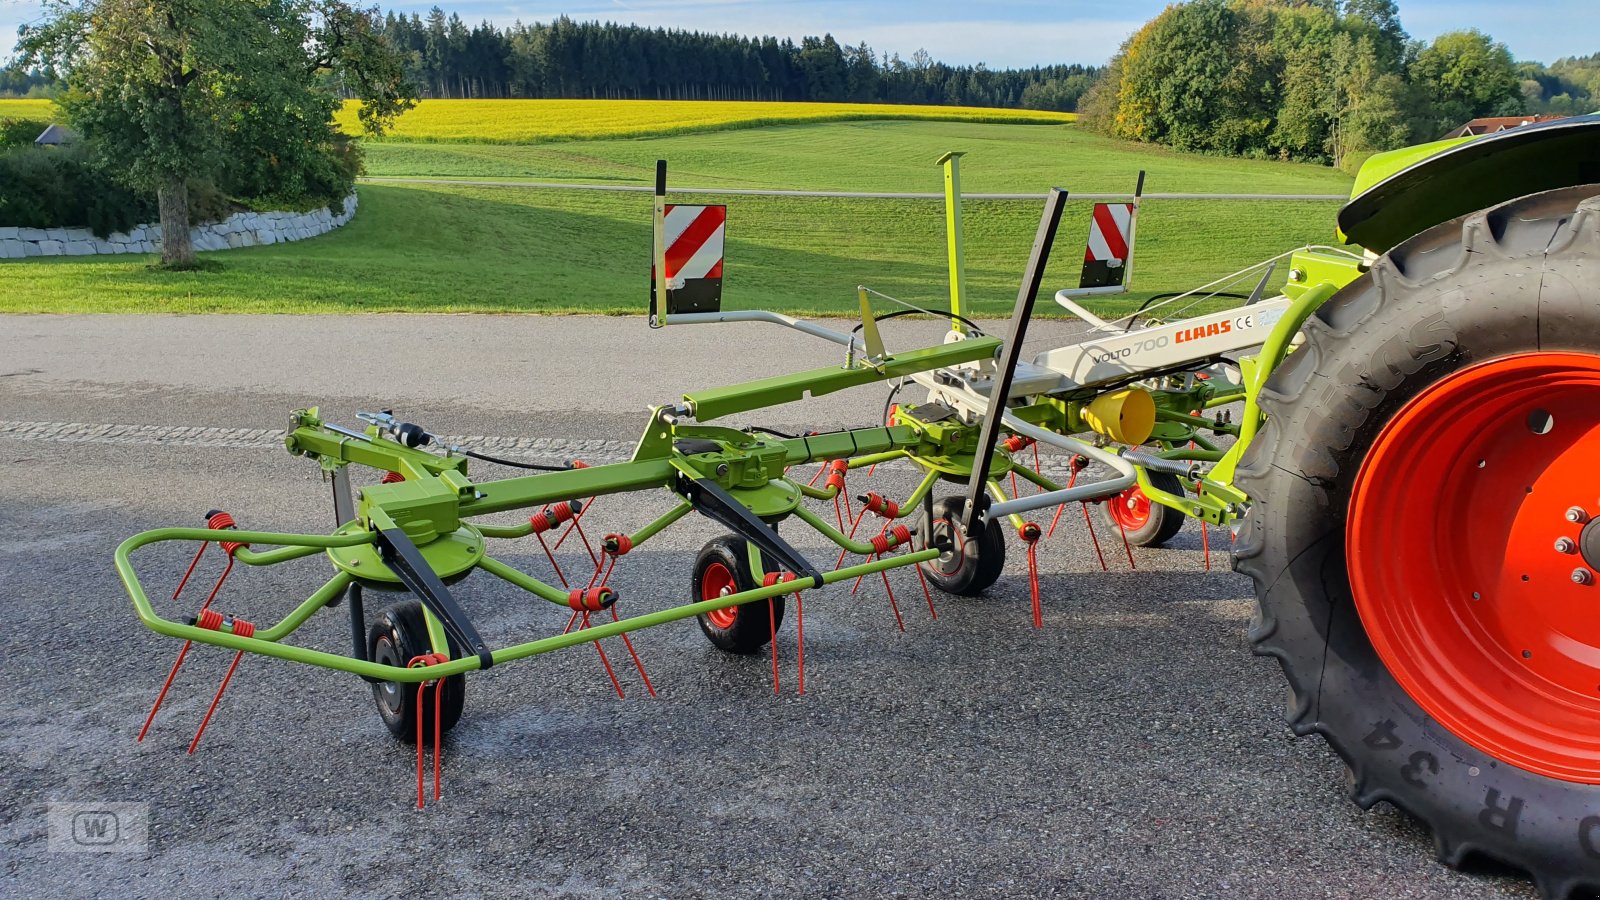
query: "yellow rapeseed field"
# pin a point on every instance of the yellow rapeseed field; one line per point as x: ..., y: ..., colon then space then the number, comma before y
x: 531, y: 121
x: 27, y: 109
x: 534, y: 121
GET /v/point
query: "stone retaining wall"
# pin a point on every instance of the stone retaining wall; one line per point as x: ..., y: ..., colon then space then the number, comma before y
x: 246, y: 229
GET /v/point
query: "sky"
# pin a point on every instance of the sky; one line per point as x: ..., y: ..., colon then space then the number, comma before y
x: 1016, y: 33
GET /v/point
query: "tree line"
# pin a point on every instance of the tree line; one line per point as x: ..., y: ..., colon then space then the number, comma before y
x: 1318, y: 80
x: 1569, y: 86
x: 15, y: 81
x: 568, y: 59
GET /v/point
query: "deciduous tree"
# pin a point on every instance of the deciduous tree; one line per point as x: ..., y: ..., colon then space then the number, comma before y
x: 1467, y: 74
x: 172, y: 92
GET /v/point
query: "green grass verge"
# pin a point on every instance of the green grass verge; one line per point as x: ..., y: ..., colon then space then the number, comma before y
x: 864, y: 156
x: 427, y: 248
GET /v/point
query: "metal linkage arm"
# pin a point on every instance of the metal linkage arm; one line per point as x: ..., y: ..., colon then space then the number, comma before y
x: 1006, y: 369
x: 760, y: 394
x: 1125, y: 478
x: 265, y: 642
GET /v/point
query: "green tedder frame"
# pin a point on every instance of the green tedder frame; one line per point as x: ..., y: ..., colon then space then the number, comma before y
x: 419, y: 531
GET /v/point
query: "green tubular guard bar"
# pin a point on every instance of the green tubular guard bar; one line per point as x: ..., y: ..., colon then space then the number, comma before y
x: 266, y: 641
x: 1216, y: 500
x: 1272, y: 354
x: 435, y: 498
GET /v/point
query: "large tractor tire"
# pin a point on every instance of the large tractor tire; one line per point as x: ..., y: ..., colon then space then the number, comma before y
x: 1424, y: 541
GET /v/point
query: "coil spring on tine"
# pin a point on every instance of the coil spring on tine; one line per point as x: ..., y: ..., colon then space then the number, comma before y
x: 551, y: 516
x: 877, y: 503
x: 217, y: 520
x: 591, y: 600
x: 1017, y: 442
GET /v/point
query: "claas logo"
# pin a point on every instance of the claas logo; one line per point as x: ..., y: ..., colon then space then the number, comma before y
x: 1202, y: 331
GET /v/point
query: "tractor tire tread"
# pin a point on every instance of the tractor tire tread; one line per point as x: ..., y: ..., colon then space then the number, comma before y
x: 1368, y: 349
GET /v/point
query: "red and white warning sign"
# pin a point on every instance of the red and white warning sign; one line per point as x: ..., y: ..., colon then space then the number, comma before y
x: 1110, y: 234
x: 693, y: 238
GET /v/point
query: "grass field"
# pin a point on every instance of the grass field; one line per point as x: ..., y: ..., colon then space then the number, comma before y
x: 531, y: 121
x: 735, y: 145
x: 462, y: 249
x: 864, y: 156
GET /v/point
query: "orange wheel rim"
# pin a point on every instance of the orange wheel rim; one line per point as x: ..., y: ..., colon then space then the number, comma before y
x: 715, y: 582
x: 1131, y: 509
x: 1473, y: 557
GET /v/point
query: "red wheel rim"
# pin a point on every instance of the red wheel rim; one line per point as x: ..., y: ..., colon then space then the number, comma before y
x: 717, y: 581
x: 1452, y: 547
x: 1131, y: 509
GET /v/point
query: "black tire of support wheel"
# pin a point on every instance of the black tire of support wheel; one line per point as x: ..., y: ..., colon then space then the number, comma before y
x: 752, y: 626
x: 986, y: 556
x: 1164, y: 522
x: 1521, y: 276
x: 397, y: 637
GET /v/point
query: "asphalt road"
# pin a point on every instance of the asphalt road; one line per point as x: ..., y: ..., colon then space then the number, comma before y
x: 1130, y: 748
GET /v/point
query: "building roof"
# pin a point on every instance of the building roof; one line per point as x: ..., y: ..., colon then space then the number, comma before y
x: 1496, y: 124
x: 56, y: 134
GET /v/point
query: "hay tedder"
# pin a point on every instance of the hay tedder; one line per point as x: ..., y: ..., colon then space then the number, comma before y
x: 1403, y: 440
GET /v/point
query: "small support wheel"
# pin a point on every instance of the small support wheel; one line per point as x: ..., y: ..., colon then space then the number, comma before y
x: 1145, y: 522
x: 397, y: 637
x: 973, y: 564
x: 723, y: 568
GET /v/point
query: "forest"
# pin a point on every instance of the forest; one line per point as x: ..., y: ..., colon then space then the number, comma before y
x: 594, y: 60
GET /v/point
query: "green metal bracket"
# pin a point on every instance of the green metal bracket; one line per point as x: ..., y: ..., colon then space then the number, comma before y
x: 1209, y: 507
x: 1309, y: 269
x: 954, y: 241
x: 869, y: 328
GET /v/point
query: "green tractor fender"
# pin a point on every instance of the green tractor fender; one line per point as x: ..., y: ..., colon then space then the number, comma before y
x: 1405, y: 192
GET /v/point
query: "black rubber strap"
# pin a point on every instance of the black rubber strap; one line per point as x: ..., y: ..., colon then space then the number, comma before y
x: 718, y: 505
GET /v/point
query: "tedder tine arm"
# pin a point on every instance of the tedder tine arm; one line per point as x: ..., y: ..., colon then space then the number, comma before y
x: 1000, y: 387
x: 711, y: 501
x: 405, y: 560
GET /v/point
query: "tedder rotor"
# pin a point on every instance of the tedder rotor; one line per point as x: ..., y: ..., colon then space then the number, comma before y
x: 1402, y: 438
x: 420, y: 530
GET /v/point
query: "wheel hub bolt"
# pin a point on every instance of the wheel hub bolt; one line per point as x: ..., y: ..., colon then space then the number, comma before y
x: 1565, y: 545
x: 1581, y: 576
x: 1576, y: 514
